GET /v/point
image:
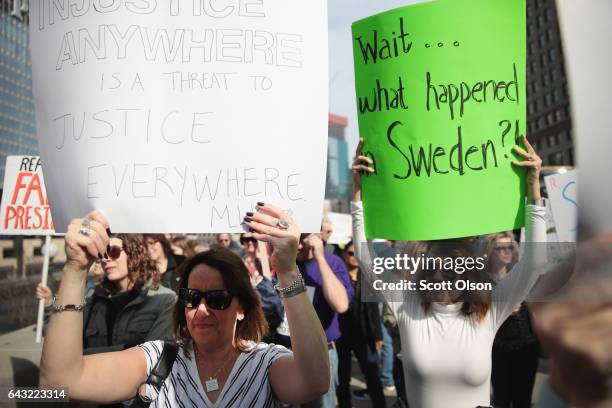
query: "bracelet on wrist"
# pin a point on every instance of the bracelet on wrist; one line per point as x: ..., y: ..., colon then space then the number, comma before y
x: 66, y: 308
x: 295, y: 288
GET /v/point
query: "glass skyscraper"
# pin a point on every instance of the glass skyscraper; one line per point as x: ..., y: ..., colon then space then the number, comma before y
x: 17, y: 122
x: 549, y: 121
x: 338, y: 183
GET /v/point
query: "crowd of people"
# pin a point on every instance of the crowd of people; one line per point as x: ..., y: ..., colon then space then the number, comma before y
x: 276, y: 318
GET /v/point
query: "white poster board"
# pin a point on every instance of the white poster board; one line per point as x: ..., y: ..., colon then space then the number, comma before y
x: 342, y: 228
x: 180, y: 115
x: 586, y: 32
x: 25, y: 205
x: 563, y: 197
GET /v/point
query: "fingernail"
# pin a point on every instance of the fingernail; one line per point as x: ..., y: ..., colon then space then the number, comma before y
x: 259, y: 203
x: 248, y: 219
x: 251, y: 230
x: 108, y: 231
x: 99, y: 255
x: 106, y: 255
x: 250, y: 214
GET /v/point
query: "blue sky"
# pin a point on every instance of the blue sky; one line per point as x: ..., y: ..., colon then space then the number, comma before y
x: 341, y: 78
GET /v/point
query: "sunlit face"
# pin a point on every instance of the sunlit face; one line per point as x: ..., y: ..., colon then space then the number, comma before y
x: 503, y: 250
x: 210, y: 328
x: 224, y: 241
x: 155, y: 248
x: 116, y: 270
x: 349, y: 257
x: 326, y: 231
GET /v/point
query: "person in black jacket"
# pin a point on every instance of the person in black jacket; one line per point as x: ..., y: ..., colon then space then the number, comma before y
x: 516, y: 349
x: 362, y: 334
x: 168, y: 264
x: 129, y: 307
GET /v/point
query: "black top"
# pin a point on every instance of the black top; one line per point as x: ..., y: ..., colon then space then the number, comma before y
x: 171, y: 278
x: 362, y: 319
x: 516, y: 331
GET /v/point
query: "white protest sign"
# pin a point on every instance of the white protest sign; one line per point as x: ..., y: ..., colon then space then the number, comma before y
x: 586, y: 31
x: 25, y: 205
x: 563, y: 197
x: 180, y: 115
x: 342, y: 228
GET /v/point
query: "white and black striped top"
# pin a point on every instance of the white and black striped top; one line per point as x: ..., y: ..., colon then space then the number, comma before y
x: 247, y: 386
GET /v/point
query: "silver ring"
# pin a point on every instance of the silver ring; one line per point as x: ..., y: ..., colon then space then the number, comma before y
x: 86, y: 222
x: 85, y: 231
x: 282, y: 224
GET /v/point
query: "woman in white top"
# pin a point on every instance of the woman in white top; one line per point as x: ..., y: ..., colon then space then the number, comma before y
x: 447, y: 340
x: 219, y: 319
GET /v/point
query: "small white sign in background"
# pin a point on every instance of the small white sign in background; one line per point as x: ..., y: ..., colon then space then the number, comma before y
x: 563, y: 197
x: 25, y: 205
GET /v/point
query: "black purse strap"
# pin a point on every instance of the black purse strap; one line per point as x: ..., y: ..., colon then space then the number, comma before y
x: 159, y: 373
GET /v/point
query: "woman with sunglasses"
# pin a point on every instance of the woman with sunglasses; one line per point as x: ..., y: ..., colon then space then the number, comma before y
x: 220, y: 361
x: 129, y: 306
x: 516, y: 350
x: 447, y: 332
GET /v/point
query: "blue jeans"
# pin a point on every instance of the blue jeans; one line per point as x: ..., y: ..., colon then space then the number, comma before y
x: 328, y: 400
x: 386, y: 354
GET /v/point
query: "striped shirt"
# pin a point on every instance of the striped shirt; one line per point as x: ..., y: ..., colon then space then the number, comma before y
x: 247, y: 386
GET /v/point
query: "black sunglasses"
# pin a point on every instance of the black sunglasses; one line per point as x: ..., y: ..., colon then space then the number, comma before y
x: 215, y: 299
x: 114, y: 251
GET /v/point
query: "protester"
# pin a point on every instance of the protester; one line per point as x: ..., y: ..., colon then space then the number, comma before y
x: 270, y: 301
x: 225, y: 240
x: 516, y: 349
x: 447, y: 335
x: 327, y: 278
x: 326, y: 232
x: 220, y: 335
x: 182, y: 245
x: 129, y: 306
x: 386, y: 357
x: 250, y: 258
x: 160, y: 251
x: 361, y: 334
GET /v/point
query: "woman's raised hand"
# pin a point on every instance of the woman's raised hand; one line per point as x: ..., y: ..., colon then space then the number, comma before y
x: 273, y: 226
x: 361, y: 164
x: 86, y: 240
x: 534, y: 163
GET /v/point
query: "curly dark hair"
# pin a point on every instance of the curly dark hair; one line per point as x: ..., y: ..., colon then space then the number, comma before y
x: 236, y: 279
x: 141, y: 268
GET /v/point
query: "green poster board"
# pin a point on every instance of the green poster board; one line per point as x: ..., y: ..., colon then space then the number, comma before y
x: 441, y: 102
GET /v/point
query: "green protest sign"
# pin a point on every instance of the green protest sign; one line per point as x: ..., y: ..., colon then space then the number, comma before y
x: 441, y: 102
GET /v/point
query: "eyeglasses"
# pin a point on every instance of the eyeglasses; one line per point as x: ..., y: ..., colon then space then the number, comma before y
x: 114, y: 251
x: 504, y: 248
x: 215, y: 299
x: 350, y: 253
